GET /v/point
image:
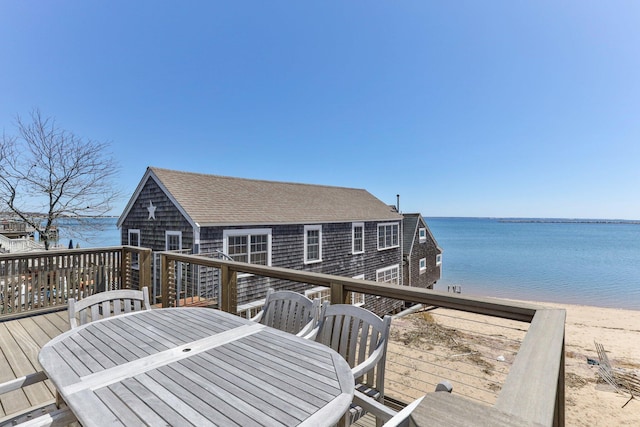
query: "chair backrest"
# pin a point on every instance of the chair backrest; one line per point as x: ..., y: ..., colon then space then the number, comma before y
x: 106, y: 304
x: 288, y: 311
x: 360, y: 337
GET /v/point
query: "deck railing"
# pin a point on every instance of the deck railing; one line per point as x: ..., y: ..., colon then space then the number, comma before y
x: 533, y: 389
x: 37, y: 282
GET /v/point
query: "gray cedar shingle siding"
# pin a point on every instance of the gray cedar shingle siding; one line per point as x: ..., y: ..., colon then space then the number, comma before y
x: 203, y: 206
x: 414, y: 251
x: 167, y: 217
x: 288, y: 252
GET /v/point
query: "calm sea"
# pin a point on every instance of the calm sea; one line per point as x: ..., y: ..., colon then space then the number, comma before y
x: 570, y: 262
x: 102, y: 233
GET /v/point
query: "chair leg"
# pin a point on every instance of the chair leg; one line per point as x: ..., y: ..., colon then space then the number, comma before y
x: 60, y: 403
x: 344, y: 420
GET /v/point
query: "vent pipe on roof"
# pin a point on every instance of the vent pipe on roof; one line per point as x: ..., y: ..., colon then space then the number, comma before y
x: 398, y: 203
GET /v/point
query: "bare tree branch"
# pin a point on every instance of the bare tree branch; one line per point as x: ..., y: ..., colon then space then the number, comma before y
x: 47, y: 173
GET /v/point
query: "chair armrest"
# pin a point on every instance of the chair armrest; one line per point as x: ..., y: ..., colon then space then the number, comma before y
x: 18, y: 383
x: 373, y: 406
x: 310, y: 330
x: 258, y: 316
x: 390, y: 417
x: 59, y: 417
x: 368, y: 364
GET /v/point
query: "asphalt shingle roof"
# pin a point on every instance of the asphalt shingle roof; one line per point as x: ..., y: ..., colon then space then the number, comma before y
x: 217, y: 200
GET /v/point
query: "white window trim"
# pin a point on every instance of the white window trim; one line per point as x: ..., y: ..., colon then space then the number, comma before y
x: 135, y: 262
x: 168, y: 233
x: 388, y: 224
x: 438, y: 260
x: 391, y: 267
x: 353, y: 237
x: 313, y: 228
x: 246, y: 232
x: 422, y: 234
x: 423, y: 265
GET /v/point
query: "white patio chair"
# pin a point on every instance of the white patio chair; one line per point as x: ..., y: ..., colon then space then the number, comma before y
x: 361, y: 338
x: 106, y: 304
x: 45, y: 414
x: 290, y: 312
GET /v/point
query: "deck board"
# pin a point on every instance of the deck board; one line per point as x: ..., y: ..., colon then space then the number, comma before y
x: 20, y: 343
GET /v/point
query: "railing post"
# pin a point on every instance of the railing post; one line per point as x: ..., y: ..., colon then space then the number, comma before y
x: 338, y: 294
x: 125, y: 268
x: 144, y: 259
x: 168, y: 286
x: 228, y: 290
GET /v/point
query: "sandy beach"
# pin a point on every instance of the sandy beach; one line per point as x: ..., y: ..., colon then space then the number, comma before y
x: 589, y: 400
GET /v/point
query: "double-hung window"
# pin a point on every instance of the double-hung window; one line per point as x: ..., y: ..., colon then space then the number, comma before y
x: 248, y: 245
x: 423, y: 265
x: 357, y: 237
x: 388, y: 235
x: 173, y: 240
x: 422, y: 233
x: 389, y: 274
x: 134, y: 240
x: 312, y: 243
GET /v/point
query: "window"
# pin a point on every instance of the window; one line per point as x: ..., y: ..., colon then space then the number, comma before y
x: 357, y: 237
x: 252, y: 246
x: 173, y: 240
x: 357, y: 298
x: 422, y: 233
x: 423, y: 265
x: 388, y: 235
x: 388, y: 274
x: 312, y: 243
x: 134, y: 240
x: 438, y: 259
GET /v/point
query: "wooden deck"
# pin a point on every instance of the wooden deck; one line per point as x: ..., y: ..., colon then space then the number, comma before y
x: 20, y: 342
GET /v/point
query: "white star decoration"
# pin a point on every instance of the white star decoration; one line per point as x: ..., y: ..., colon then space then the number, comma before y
x: 152, y: 210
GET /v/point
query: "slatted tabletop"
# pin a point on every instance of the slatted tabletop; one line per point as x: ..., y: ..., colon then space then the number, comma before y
x: 195, y: 366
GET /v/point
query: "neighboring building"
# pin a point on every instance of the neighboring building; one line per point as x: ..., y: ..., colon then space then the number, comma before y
x: 16, y: 236
x: 422, y: 257
x: 333, y: 230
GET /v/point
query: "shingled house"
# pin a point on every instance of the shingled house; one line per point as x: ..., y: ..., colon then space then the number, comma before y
x: 422, y: 257
x: 334, y: 230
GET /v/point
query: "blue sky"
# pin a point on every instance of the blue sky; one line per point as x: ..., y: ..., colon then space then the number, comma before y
x: 464, y: 108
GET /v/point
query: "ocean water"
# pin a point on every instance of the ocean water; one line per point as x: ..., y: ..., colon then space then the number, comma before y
x: 566, y: 262
x: 584, y: 263
x: 101, y: 233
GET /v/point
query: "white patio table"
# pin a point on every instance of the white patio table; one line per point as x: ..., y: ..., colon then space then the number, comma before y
x: 195, y: 366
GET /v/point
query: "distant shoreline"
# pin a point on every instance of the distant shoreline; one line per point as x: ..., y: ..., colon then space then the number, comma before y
x: 569, y: 221
x: 543, y: 220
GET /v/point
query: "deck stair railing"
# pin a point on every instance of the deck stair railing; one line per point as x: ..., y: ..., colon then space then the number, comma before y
x: 533, y: 389
x: 19, y: 245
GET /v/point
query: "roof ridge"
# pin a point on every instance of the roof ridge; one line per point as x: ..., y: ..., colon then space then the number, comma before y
x: 217, y: 199
x: 154, y: 168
